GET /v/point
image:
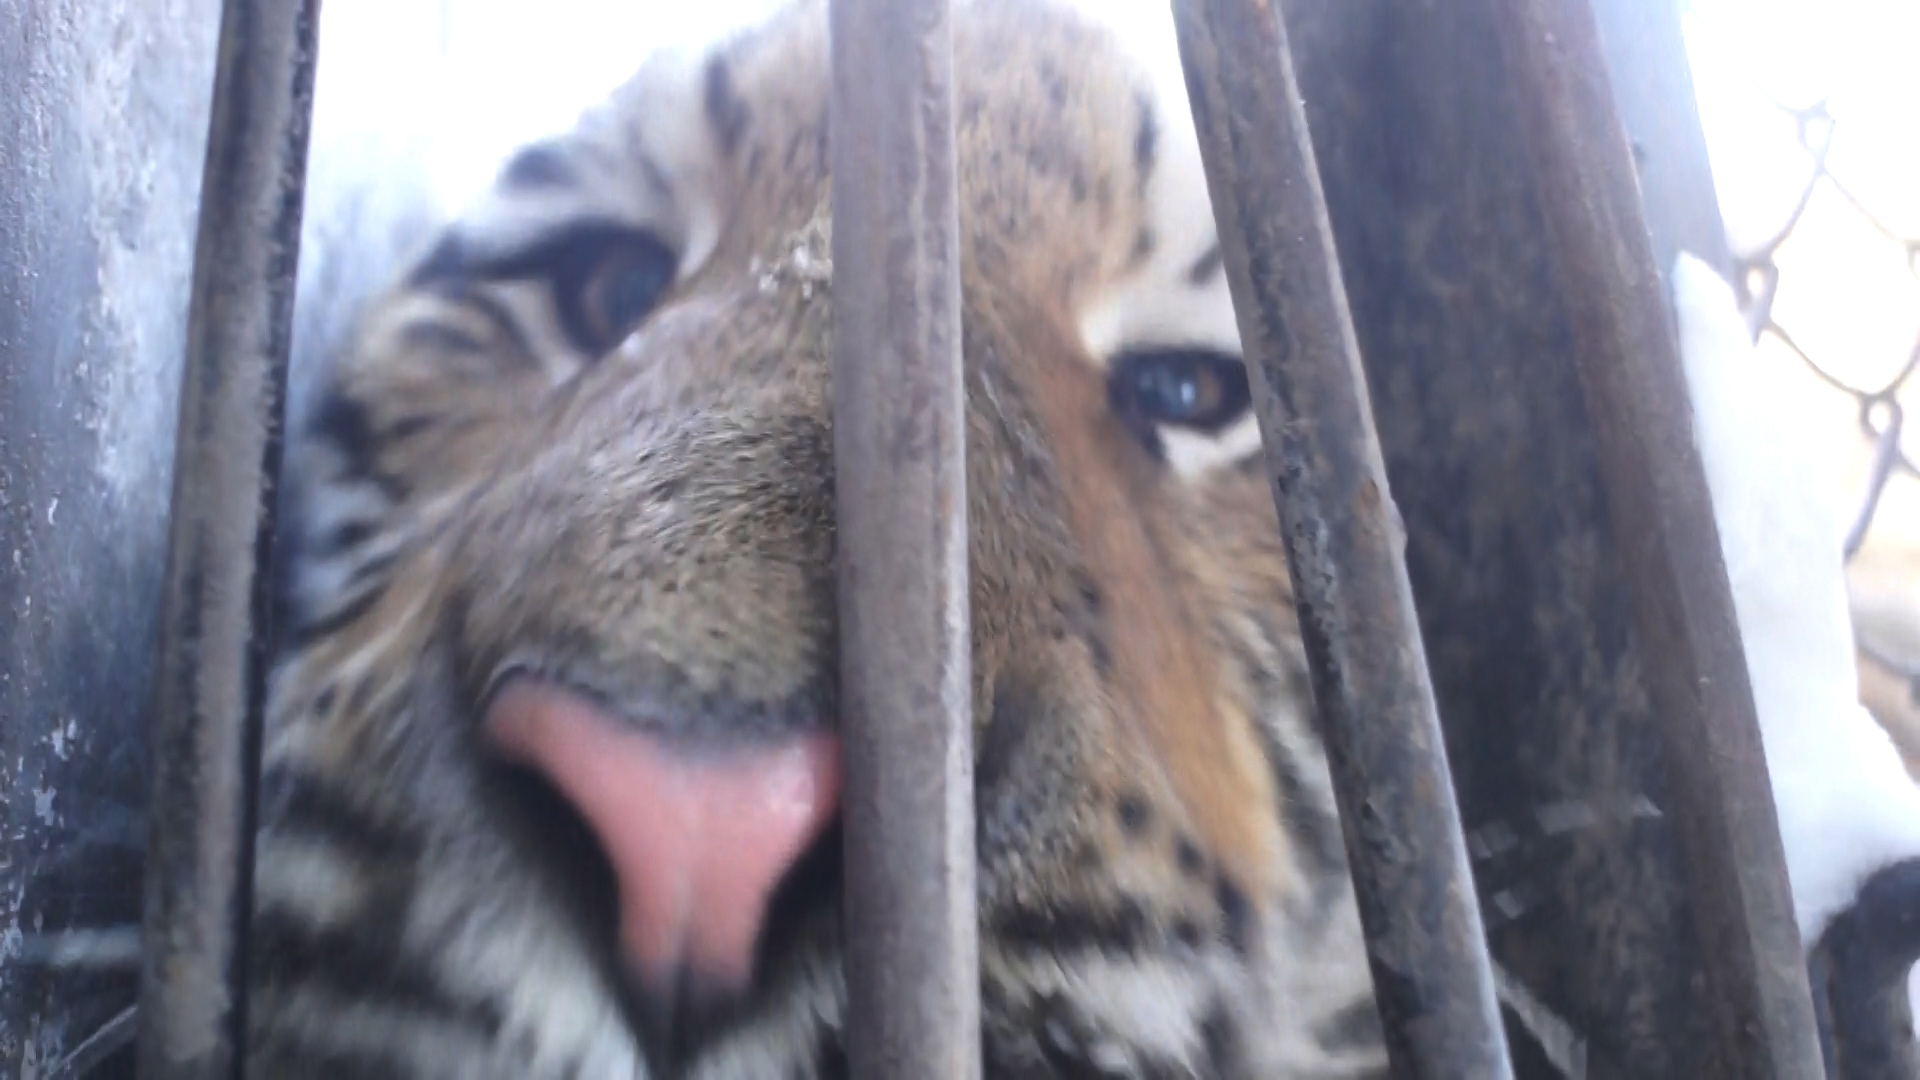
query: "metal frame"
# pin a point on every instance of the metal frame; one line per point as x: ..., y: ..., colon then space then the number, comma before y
x: 902, y: 538
x: 1624, y: 347
x: 1343, y: 539
x: 214, y: 637
x: 906, y: 683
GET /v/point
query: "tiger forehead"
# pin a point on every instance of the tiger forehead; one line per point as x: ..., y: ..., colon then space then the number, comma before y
x: 1077, y: 168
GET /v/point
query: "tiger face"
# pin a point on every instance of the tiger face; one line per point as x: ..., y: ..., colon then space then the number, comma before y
x: 551, y: 766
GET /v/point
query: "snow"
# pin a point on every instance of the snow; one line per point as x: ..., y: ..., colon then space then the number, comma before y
x: 1846, y: 804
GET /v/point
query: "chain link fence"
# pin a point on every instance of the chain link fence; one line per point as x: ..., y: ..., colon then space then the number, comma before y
x: 1817, y: 157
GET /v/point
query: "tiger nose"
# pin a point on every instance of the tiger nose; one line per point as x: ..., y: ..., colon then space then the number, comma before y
x: 698, y: 839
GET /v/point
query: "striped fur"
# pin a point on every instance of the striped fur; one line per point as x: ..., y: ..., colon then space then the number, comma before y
x: 503, y: 476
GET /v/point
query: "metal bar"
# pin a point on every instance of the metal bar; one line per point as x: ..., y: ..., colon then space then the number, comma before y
x: 1647, y: 47
x: 1721, y: 802
x: 900, y: 480
x: 214, y: 630
x: 1344, y: 540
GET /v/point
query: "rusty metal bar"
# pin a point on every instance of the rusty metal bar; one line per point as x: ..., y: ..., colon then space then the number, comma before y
x: 900, y: 481
x: 1720, y: 798
x: 214, y: 632
x: 1425, y: 940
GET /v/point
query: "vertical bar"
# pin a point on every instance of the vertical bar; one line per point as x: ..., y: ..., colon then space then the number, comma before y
x: 1646, y: 49
x: 1344, y: 540
x: 1731, y: 859
x: 900, y: 479
x: 213, y: 635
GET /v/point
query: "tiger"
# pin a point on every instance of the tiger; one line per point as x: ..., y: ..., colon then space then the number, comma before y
x: 549, y: 782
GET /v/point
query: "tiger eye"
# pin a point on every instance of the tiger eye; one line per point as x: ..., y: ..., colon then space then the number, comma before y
x: 1195, y: 389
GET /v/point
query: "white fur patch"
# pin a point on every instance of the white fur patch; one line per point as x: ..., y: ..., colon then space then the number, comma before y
x: 311, y: 880
x: 1159, y: 304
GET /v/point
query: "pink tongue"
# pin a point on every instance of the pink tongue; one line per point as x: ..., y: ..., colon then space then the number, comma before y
x: 697, y: 844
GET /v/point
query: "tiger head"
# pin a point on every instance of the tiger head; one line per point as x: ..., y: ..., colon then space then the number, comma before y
x: 551, y: 783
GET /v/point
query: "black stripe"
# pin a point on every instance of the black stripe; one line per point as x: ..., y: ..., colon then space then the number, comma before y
x: 434, y: 335
x: 1124, y: 929
x: 350, y: 534
x: 344, y: 424
x: 365, y: 964
x: 725, y: 111
x: 1310, y: 822
x: 297, y: 802
x: 298, y: 1060
x: 497, y: 314
x: 829, y: 1057
x: 368, y: 573
x: 306, y: 633
x: 1146, y: 143
x: 542, y: 164
x: 1220, y: 1041
x: 1236, y: 915
x: 564, y: 258
x: 1206, y: 267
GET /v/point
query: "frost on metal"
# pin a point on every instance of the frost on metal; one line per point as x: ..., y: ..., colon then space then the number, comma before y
x: 103, y: 108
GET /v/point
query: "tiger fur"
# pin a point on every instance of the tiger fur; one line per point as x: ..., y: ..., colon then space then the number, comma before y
x: 586, y: 435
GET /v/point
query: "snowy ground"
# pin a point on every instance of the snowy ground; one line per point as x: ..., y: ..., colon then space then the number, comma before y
x: 1846, y: 804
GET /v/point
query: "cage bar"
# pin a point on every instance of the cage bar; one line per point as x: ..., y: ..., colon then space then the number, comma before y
x: 1344, y: 541
x: 900, y: 483
x: 214, y: 634
x: 1720, y: 798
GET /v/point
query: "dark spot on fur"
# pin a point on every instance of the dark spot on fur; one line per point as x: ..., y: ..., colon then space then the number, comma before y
x: 1192, y: 863
x: 1007, y: 726
x: 541, y: 165
x: 1236, y: 916
x: 1143, y: 245
x: 1083, y: 617
x: 830, y: 1056
x: 1101, y: 653
x: 1187, y: 933
x: 725, y: 111
x: 1090, y: 595
x: 1206, y: 267
x: 447, y: 261
x: 1146, y: 143
x: 656, y: 176
x: 344, y: 424
x: 323, y: 702
x: 1355, y: 1027
x: 1054, y: 84
x: 667, y: 490
x: 408, y: 426
x: 1218, y: 1041
x: 1135, y: 814
x: 359, y: 697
